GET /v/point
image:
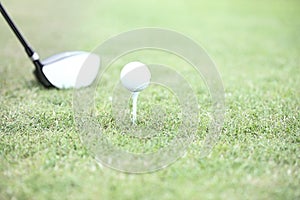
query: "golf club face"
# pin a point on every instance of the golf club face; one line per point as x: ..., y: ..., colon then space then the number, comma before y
x: 62, y: 70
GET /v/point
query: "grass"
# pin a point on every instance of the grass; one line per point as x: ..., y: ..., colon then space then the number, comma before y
x: 256, y: 47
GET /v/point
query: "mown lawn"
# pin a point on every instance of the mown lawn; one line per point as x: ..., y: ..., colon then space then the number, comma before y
x: 256, y: 47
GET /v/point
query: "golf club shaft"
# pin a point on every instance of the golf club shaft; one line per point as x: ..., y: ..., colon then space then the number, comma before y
x: 32, y: 55
x: 28, y: 49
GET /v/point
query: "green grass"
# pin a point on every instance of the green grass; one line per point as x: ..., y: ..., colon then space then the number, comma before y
x: 256, y: 48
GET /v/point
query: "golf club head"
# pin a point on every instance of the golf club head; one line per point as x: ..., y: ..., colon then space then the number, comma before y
x: 62, y: 70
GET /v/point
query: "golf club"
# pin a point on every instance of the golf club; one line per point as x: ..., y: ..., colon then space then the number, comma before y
x: 60, y: 70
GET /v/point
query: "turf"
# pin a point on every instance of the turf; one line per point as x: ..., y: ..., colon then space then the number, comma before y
x: 256, y: 47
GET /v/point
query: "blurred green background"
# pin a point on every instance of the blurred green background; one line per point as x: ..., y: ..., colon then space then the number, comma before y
x: 255, y: 45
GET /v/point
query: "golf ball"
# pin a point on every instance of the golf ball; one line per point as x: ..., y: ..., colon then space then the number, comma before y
x: 135, y: 76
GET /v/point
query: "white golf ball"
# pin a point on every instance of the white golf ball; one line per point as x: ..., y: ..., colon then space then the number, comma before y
x: 135, y: 76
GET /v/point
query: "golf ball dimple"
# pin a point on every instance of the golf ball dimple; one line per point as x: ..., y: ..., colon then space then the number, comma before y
x: 135, y: 76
